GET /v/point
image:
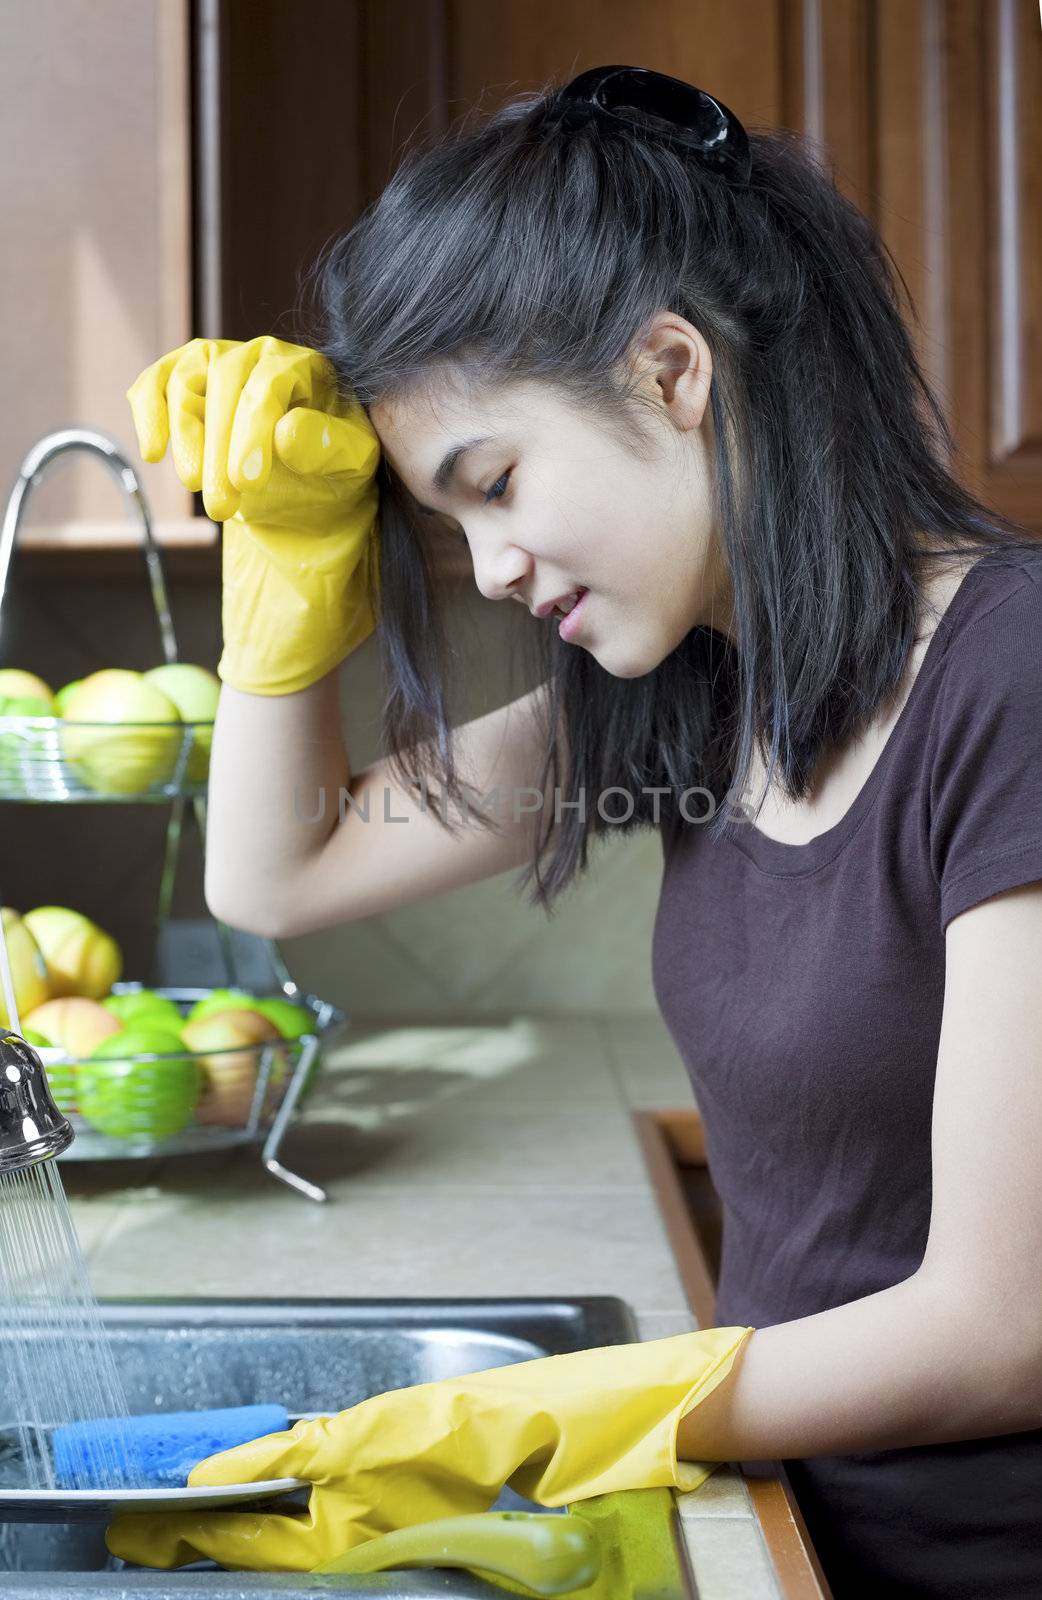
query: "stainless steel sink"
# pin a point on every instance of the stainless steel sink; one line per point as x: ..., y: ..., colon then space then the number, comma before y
x: 311, y: 1355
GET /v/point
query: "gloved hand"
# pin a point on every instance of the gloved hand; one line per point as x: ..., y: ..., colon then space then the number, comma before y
x: 556, y: 1430
x: 287, y: 466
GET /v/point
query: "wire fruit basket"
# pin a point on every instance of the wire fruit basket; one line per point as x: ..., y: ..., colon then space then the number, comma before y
x: 48, y: 758
x: 148, y: 1105
x: 160, y: 1104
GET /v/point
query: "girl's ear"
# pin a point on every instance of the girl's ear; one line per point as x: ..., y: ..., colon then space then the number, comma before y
x: 675, y: 364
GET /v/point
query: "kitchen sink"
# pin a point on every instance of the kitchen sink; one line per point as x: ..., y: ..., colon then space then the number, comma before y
x: 310, y: 1356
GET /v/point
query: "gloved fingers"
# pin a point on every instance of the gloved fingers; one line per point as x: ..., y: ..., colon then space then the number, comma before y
x: 240, y: 1540
x: 148, y: 403
x: 187, y: 403
x: 267, y: 1457
x: 229, y: 374
x: 147, y: 398
x: 285, y: 375
x: 380, y: 1432
x: 318, y: 444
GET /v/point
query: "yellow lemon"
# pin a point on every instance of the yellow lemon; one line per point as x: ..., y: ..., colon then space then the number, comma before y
x: 81, y: 957
x: 17, y: 685
x: 28, y: 968
x: 106, y: 734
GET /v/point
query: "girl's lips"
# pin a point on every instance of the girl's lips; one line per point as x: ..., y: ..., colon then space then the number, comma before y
x: 568, y: 625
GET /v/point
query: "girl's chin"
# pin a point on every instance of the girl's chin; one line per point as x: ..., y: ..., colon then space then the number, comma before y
x: 623, y: 660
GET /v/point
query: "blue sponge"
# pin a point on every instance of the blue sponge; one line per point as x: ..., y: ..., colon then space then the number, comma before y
x: 166, y: 1446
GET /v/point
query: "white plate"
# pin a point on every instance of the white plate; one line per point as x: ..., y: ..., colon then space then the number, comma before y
x: 101, y: 1505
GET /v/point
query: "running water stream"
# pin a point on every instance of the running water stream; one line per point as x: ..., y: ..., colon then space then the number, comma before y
x: 56, y: 1359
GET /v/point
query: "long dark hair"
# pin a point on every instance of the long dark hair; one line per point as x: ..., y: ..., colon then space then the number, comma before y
x: 511, y: 249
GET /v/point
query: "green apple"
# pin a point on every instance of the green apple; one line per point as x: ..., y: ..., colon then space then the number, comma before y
x: 146, y: 1007
x: 223, y: 1000
x: 81, y: 957
x: 107, y: 734
x: 64, y: 695
x: 127, y: 1098
x: 195, y: 692
x: 26, y: 705
x: 292, y: 1020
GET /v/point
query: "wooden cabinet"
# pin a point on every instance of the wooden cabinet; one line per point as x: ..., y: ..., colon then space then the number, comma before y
x: 923, y: 107
x: 180, y: 162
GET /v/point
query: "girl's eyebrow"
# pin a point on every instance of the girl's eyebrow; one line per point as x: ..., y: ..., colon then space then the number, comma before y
x: 446, y: 468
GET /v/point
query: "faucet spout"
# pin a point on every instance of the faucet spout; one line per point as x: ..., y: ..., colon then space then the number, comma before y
x: 32, y: 1129
x: 36, y: 463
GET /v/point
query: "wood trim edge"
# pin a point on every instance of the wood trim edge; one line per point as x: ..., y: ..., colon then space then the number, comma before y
x: 82, y: 534
x: 687, y: 1249
x: 670, y: 1139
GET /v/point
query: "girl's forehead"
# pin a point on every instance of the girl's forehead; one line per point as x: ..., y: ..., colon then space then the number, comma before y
x: 427, y: 418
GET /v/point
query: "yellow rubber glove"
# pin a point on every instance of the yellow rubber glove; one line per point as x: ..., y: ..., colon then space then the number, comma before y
x: 556, y: 1430
x: 288, y: 467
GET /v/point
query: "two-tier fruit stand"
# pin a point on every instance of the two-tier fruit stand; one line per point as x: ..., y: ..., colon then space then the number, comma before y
x: 45, y: 760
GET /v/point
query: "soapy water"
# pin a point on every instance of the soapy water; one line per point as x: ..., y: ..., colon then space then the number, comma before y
x: 56, y: 1359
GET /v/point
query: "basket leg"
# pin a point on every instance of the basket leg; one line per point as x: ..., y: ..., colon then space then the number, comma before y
x: 170, y: 859
x: 281, y: 971
x: 270, y: 1152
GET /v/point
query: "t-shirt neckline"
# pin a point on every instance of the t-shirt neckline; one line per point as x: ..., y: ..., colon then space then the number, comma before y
x: 779, y: 857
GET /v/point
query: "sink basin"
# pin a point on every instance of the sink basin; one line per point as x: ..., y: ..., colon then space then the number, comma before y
x: 310, y: 1355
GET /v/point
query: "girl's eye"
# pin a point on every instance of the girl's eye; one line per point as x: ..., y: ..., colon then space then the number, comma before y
x: 498, y: 489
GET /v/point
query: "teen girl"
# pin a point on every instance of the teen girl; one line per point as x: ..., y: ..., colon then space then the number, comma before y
x: 645, y: 361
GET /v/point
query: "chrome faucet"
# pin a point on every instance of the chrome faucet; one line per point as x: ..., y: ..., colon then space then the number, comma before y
x: 30, y: 475
x: 32, y: 1129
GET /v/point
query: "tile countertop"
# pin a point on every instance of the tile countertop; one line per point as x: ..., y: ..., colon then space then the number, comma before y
x: 486, y: 1157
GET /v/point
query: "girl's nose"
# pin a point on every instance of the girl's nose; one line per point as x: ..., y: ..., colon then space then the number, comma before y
x: 501, y: 575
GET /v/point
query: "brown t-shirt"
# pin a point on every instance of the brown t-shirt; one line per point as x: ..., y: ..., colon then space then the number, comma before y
x: 803, y: 986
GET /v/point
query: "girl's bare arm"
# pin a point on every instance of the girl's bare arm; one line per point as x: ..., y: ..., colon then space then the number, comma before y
x: 287, y: 851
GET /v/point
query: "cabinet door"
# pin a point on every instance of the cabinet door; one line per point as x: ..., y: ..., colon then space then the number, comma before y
x: 958, y: 175
x: 95, y: 272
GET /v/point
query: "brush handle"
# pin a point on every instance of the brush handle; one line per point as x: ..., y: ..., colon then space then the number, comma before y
x: 550, y: 1554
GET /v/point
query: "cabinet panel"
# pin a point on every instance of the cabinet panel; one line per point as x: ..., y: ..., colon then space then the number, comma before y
x: 959, y: 166
x: 95, y: 272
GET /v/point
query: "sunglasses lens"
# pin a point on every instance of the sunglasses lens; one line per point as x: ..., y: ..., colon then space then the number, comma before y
x: 675, y: 112
x: 673, y: 108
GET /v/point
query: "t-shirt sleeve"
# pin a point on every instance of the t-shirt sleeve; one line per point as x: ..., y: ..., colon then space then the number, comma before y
x: 986, y: 774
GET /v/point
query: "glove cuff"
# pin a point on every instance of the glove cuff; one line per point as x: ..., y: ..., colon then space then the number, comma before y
x: 687, y: 1474
x: 611, y: 1415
